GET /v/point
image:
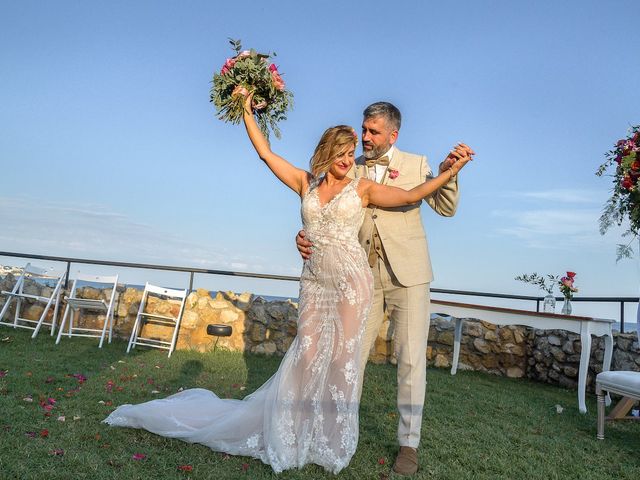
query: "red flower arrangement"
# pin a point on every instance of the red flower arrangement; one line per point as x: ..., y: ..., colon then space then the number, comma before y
x: 624, y: 202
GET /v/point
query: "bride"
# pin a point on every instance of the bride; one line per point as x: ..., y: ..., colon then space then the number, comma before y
x: 307, y: 412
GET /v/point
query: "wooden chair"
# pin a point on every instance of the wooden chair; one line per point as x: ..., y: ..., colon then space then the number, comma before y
x: 20, y: 295
x: 143, y: 318
x: 75, y: 306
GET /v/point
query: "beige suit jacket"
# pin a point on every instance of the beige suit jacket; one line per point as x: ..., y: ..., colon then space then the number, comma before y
x: 400, y: 228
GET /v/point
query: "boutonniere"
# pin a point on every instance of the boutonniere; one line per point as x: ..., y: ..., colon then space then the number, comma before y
x: 393, y: 173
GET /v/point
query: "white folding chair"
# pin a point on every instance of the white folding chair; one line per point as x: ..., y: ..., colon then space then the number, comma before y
x: 144, y: 317
x: 75, y: 305
x: 19, y: 295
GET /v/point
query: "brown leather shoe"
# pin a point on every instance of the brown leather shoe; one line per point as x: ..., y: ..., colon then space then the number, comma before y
x: 406, y: 461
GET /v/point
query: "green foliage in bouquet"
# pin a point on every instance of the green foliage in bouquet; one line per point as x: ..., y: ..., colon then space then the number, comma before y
x: 624, y: 202
x: 250, y: 71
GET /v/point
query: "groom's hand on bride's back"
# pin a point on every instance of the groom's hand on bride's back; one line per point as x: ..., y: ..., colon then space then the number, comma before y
x: 304, y: 246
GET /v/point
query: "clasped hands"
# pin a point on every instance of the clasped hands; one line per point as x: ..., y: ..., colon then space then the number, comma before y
x: 457, y: 158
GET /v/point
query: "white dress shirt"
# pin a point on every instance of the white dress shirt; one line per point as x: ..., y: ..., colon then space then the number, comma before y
x: 376, y: 173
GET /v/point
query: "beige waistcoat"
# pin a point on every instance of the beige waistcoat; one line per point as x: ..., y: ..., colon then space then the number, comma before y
x: 400, y: 228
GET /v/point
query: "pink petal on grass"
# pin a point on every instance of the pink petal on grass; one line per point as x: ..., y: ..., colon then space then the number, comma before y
x: 3, y: 373
x: 57, y: 451
x: 78, y: 376
x: 30, y: 434
x: 139, y: 456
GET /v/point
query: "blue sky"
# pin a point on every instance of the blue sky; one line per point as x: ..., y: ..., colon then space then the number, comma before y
x: 111, y: 150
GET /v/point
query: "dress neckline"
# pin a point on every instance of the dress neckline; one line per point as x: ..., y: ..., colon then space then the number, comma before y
x: 322, y: 207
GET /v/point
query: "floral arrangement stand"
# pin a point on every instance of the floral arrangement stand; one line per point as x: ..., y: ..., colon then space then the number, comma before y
x: 624, y: 203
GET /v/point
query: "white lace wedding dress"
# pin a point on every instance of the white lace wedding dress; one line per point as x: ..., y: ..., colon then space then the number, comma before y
x: 307, y: 412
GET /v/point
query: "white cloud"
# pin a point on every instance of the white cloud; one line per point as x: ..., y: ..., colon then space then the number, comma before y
x: 30, y: 225
x: 561, y: 196
x: 552, y: 228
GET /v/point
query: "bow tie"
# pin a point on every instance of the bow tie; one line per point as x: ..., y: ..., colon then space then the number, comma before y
x: 384, y: 161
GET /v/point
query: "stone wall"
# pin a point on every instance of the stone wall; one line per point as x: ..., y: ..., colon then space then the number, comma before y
x: 555, y: 356
x: 266, y: 327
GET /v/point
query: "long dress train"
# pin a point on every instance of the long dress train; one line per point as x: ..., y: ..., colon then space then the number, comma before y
x: 307, y: 412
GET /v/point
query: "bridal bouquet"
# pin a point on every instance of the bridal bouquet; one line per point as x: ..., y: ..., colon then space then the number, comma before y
x: 250, y: 71
x: 625, y: 196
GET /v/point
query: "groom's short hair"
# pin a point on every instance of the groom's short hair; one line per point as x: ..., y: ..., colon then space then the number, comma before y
x: 389, y: 111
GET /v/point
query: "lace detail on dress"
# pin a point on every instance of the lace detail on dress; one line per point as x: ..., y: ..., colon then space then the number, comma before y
x: 308, y: 411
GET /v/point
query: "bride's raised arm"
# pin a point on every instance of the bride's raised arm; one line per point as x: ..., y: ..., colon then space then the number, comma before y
x: 386, y: 196
x: 294, y: 178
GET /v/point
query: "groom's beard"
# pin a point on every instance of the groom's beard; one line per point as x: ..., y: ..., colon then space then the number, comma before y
x: 375, y: 152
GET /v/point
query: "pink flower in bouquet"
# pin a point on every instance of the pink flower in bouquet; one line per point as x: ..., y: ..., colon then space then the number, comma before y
x: 228, y: 65
x: 567, y: 282
x: 277, y: 80
x: 393, y: 174
x: 273, y: 68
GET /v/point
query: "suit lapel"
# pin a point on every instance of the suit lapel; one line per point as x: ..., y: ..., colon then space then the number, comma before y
x: 394, y: 164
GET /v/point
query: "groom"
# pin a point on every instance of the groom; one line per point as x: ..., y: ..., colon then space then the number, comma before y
x: 396, y: 245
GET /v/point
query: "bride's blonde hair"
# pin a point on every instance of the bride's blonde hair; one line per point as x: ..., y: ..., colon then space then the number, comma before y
x: 333, y: 143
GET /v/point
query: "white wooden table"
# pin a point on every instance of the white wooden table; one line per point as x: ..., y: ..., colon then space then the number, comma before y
x: 585, y: 326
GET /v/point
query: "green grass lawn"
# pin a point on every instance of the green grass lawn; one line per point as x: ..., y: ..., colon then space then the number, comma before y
x: 475, y: 425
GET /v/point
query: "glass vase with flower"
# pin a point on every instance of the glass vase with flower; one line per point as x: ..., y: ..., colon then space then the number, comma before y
x: 545, y: 283
x: 567, y: 289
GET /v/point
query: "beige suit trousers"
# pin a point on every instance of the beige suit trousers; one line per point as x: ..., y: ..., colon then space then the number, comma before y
x: 408, y: 309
